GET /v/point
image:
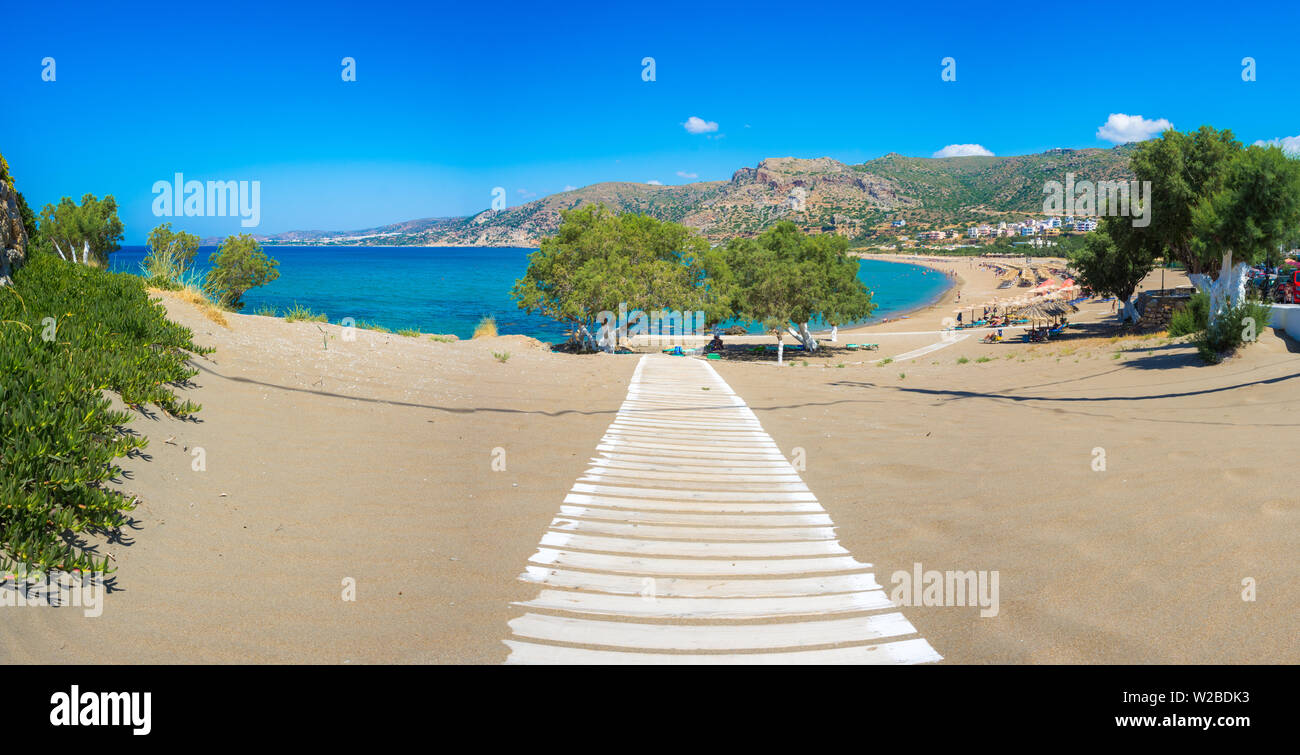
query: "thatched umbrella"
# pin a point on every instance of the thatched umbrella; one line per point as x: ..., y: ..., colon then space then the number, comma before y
x: 1046, y: 309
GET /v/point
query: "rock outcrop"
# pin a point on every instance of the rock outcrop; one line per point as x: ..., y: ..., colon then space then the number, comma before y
x: 13, y: 236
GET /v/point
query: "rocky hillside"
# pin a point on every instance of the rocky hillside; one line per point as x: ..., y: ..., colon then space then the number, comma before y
x: 816, y: 193
x: 13, y: 237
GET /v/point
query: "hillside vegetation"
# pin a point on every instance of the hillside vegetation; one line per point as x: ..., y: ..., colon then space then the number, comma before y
x: 818, y: 194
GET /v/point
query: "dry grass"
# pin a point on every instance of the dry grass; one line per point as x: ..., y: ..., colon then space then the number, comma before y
x: 486, y: 328
x: 193, y: 296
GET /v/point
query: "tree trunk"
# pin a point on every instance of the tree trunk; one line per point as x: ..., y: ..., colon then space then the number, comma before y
x: 1128, y: 310
x: 780, y: 350
x: 835, y: 333
x: 803, y: 336
x: 1220, y: 292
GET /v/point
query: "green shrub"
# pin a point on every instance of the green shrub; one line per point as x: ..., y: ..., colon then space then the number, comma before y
x: 408, y: 332
x: 501, y: 356
x: 299, y: 313
x: 1237, y: 326
x: 238, y: 265
x: 170, y: 255
x: 69, y: 332
x: 1192, y: 317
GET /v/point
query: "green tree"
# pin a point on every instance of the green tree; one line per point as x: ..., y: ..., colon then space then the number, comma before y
x: 785, y: 279
x: 26, y: 215
x: 599, y: 260
x: 82, y: 233
x: 170, y: 252
x: 1253, y: 212
x: 1184, y: 169
x: 1113, y: 261
x: 238, y: 265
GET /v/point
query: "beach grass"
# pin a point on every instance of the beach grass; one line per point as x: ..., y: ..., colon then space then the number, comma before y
x: 501, y: 356
x: 409, y: 332
x: 299, y: 313
x: 486, y: 328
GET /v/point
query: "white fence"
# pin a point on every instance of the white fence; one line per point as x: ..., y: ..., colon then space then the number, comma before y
x: 1286, y: 317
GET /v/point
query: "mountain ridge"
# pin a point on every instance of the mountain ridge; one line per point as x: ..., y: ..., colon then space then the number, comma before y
x: 819, y: 194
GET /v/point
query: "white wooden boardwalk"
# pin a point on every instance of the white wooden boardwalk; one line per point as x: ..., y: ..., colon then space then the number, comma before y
x: 692, y: 540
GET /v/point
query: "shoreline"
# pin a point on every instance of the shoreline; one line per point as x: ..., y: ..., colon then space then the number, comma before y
x: 955, y: 282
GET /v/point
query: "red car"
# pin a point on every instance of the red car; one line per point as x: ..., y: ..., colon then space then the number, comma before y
x: 1288, y: 290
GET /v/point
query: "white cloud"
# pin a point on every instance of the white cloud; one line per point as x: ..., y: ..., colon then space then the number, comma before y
x: 567, y: 187
x: 1122, y: 129
x: 963, y: 150
x: 653, y: 182
x: 696, y: 125
x: 684, y: 174
x: 1289, y: 144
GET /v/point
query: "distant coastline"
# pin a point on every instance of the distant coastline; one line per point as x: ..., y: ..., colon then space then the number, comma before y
x: 449, y: 289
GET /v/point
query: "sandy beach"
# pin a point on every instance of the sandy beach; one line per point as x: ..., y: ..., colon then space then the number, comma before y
x: 327, y: 459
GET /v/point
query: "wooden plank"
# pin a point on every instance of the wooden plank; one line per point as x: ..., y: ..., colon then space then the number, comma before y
x: 622, y: 634
x: 887, y: 653
x: 702, y: 507
x: 638, y: 606
x: 712, y: 534
x: 692, y: 495
x: 693, y: 518
x: 701, y: 549
x: 679, y: 587
x: 659, y: 480
x: 692, y: 567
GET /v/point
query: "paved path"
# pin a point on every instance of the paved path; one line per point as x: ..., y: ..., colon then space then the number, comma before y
x: 692, y: 540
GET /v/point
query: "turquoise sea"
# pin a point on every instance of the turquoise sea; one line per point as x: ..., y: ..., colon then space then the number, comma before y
x: 448, y: 290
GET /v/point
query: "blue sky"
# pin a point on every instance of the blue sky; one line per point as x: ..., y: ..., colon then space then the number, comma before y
x: 451, y: 101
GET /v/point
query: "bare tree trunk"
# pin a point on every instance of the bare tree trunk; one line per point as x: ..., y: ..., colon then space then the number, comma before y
x: 1220, y: 293
x: 1128, y: 312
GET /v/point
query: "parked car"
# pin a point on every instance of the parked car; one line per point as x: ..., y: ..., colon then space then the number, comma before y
x: 1288, y: 290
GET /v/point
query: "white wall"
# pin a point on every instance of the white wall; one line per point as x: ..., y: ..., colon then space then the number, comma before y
x: 1286, y: 317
